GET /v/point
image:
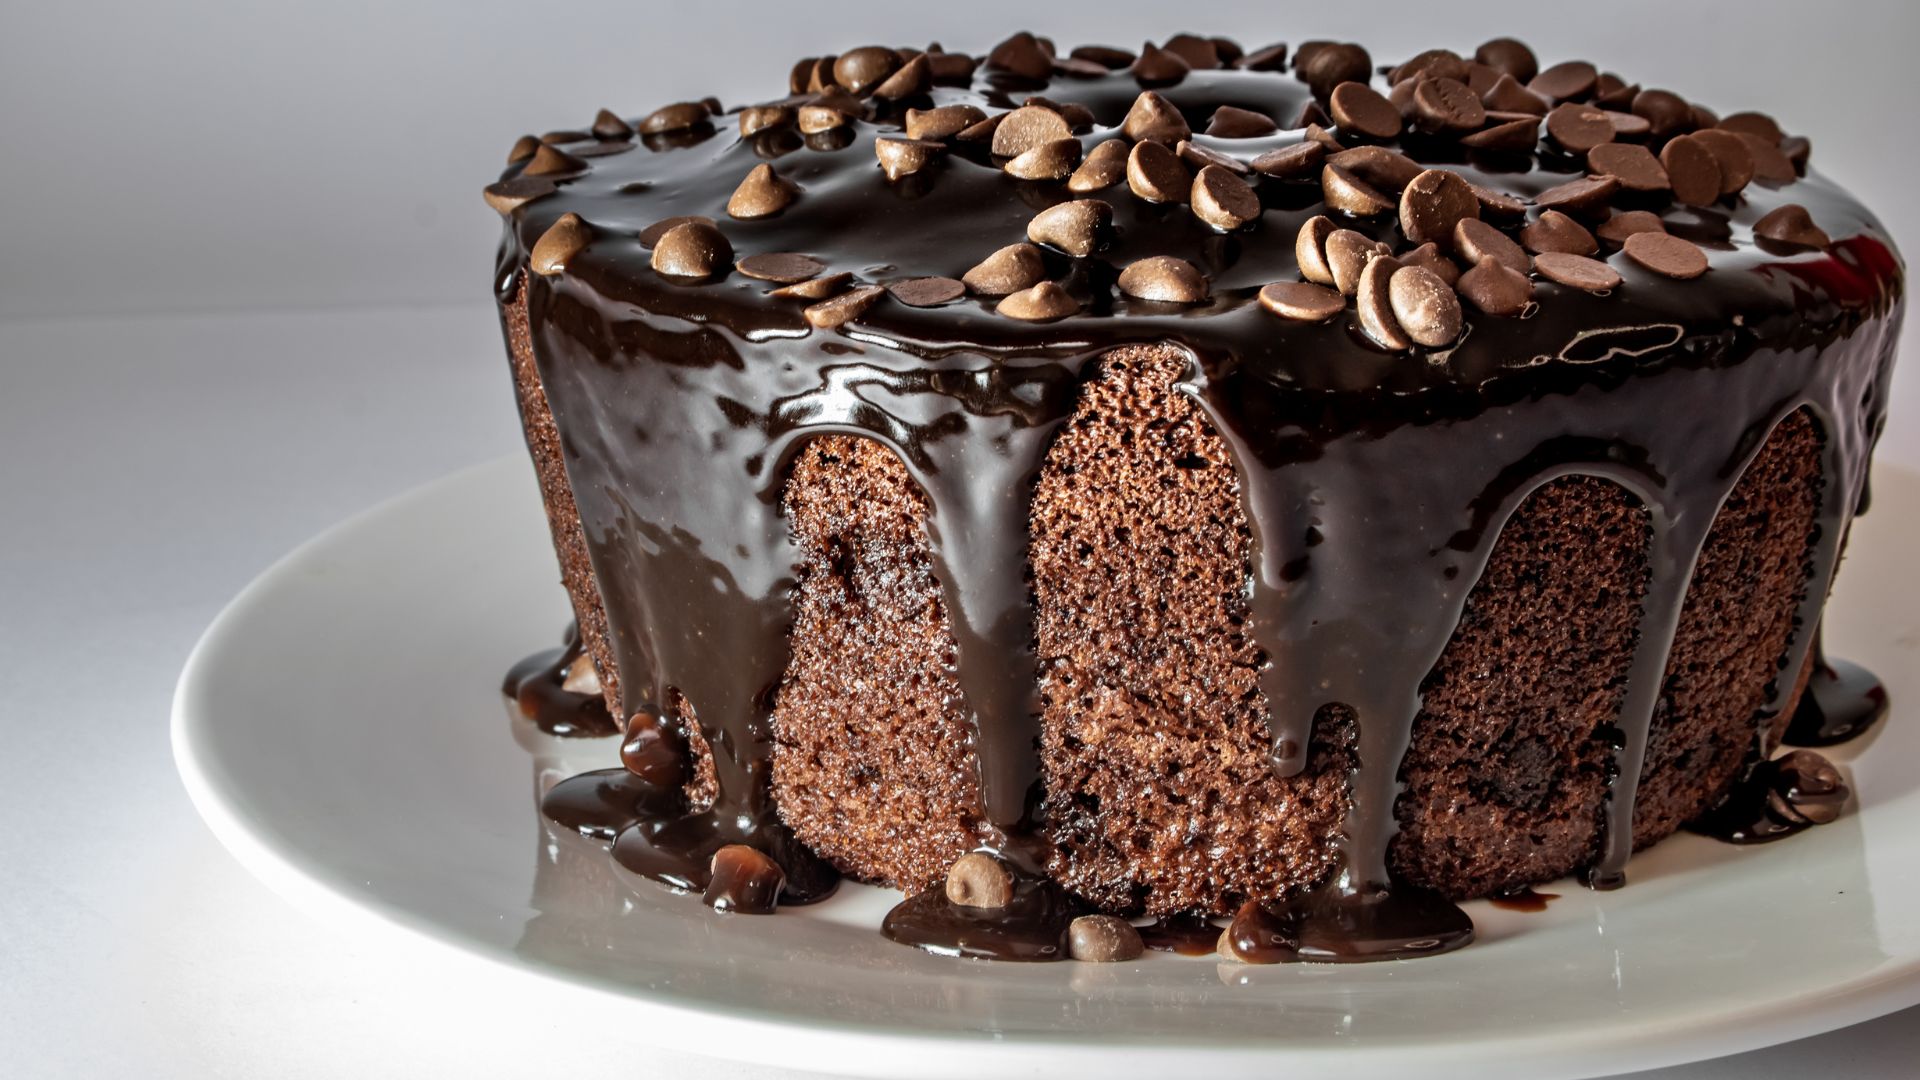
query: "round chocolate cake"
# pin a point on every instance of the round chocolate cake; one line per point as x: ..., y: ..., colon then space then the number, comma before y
x: 1198, y: 484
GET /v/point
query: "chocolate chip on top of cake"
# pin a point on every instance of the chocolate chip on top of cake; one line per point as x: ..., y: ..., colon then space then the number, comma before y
x: 1194, y: 481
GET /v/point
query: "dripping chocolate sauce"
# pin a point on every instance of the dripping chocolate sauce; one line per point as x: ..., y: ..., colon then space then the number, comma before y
x: 538, y: 688
x: 1188, y: 934
x: 1842, y: 701
x: 1665, y: 388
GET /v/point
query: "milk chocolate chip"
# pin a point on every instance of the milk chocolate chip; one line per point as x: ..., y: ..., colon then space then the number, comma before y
x: 904, y: 157
x: 744, y: 881
x: 1310, y: 249
x: 1041, y: 303
x: 1359, y: 108
x: 763, y: 193
x: 1054, y: 160
x: 1166, y: 279
x: 680, y: 116
x: 1027, y: 127
x: 692, y: 249
x: 1291, y: 162
x: 506, y: 196
x: 844, y: 308
x: 1076, y: 227
x: 1009, y: 270
x: 563, y: 240
x: 1154, y: 118
x: 1374, y: 302
x: 757, y: 118
x: 1495, y: 288
x: 1666, y: 254
x: 1791, y: 224
x: 923, y: 292
x: 1630, y: 163
x: 1301, y: 301
x: 1555, y: 231
x: 1433, y: 203
x: 1104, y: 167
x: 1348, y: 253
x: 1223, y: 200
x: 785, y: 267
x: 1424, y: 306
x: 1347, y: 193
x: 943, y: 122
x: 1103, y: 939
x: 1231, y: 122
x: 1577, y: 271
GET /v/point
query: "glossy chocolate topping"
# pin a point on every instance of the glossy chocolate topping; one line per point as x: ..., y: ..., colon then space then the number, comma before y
x: 1376, y: 481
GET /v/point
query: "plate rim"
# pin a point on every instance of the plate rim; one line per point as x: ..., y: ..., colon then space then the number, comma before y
x: 1603, y: 1049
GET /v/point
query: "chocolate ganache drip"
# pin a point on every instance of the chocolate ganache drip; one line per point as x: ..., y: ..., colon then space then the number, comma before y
x: 1405, y: 307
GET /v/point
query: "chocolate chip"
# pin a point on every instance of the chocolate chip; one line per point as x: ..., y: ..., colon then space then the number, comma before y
x: 1433, y: 203
x: 1318, y: 133
x: 1021, y: 55
x: 1610, y: 91
x: 608, y: 125
x: 1424, y: 306
x: 1291, y: 162
x: 1044, y: 302
x: 1617, y: 228
x: 1692, y: 170
x: 1430, y: 257
x: 1348, y: 194
x: 563, y: 240
x: 1027, y: 127
x: 817, y: 118
x: 1474, y: 240
x: 1055, y: 160
x: 1105, y: 55
x: 1373, y: 301
x: 692, y: 249
x: 1498, y: 204
x: 1166, y: 279
x: 1201, y: 54
x: 1579, y: 128
x: 1666, y: 112
x: 743, y: 881
x: 1301, y: 301
x: 1588, y: 196
x: 1199, y: 157
x: 1158, y: 67
x: 1577, y: 271
x: 1496, y: 289
x: 1507, y: 95
x: 1511, y: 135
x: 1754, y: 123
x: 1555, y: 231
x: 650, y: 751
x: 552, y: 161
x: 785, y: 267
x: 951, y: 68
x: 1770, y: 163
x: 923, y: 292
x: 914, y: 78
x: 1359, y: 108
x: 979, y: 880
x: 820, y: 77
x: 1730, y: 151
x: 843, y: 308
x: 1312, y: 116
x: 1628, y: 126
x: 561, y: 138
x: 1806, y: 789
x: 1310, y: 249
x: 1157, y: 174
x: 1388, y: 170
x: 758, y: 118
x: 815, y: 289
x: 1509, y: 57
x: 1666, y: 254
x: 904, y: 157
x: 1232, y: 122
x: 1797, y: 150
x: 942, y: 122
x: 1565, y: 81
x: 1103, y: 939
x: 523, y: 148
x: 1009, y: 270
x: 1348, y: 253
x: 1630, y: 163
x: 1104, y: 166
x: 1223, y: 200
x: 506, y: 196
x: 1445, y: 106
x: 680, y: 116
x: 1791, y: 224
x: 650, y: 236
x: 763, y: 193
x: 1154, y: 118
x: 1324, y: 65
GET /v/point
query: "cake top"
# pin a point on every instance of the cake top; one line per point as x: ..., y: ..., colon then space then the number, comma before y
x: 1239, y: 203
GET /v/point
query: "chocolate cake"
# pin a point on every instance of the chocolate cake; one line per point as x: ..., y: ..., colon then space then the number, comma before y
x: 1191, y: 484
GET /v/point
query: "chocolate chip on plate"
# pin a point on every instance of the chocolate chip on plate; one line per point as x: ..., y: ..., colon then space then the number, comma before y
x: 692, y: 249
x: 1474, y: 240
x: 1577, y: 271
x: 1692, y: 170
x: 1233, y: 122
x: 1157, y: 174
x: 785, y: 267
x: 925, y: 292
x: 1103, y: 939
x: 1433, y: 203
x: 563, y: 240
x: 1347, y: 193
x: 1310, y: 249
x: 1666, y: 254
x: 1495, y: 288
x: 743, y: 881
x: 904, y: 157
x: 1579, y: 128
x: 1374, y: 303
x: 1630, y: 163
x: 1008, y: 270
x: 1446, y: 106
x: 843, y: 308
x: 1223, y: 200
x: 763, y: 193
x: 1105, y: 166
x: 1555, y: 231
x: 1348, y: 253
x: 1044, y: 302
x: 1054, y: 160
x: 1361, y: 109
x: 1153, y: 117
x: 1291, y: 162
x: 1791, y: 224
x: 1302, y: 301
x: 1424, y: 306
x: 1164, y: 278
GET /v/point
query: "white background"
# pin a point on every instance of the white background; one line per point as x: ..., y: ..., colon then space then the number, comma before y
x: 244, y: 275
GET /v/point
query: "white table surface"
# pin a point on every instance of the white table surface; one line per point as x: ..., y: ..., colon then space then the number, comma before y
x: 151, y: 467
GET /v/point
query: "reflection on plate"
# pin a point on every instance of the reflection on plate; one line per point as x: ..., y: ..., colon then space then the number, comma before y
x: 371, y: 657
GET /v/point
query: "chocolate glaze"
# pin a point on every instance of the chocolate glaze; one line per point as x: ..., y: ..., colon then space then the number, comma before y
x: 1771, y: 800
x: 537, y: 688
x: 1376, y: 483
x: 1189, y: 935
x: 1032, y: 927
x: 1842, y: 701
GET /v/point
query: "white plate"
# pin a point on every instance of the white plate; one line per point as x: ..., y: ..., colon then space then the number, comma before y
x: 341, y: 730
